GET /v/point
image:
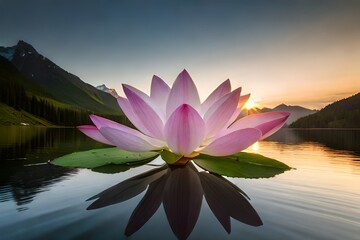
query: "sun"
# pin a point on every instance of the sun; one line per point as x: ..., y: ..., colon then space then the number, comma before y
x: 250, y: 105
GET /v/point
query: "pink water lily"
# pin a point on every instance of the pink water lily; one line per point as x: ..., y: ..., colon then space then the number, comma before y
x: 175, y: 119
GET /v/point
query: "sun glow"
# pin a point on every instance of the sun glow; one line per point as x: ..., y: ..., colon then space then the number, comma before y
x: 255, y: 147
x: 250, y: 105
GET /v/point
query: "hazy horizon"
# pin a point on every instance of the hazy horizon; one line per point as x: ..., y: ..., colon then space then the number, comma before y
x: 294, y: 52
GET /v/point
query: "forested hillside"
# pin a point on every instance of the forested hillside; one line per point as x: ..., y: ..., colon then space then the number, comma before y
x: 344, y: 113
x: 29, y: 100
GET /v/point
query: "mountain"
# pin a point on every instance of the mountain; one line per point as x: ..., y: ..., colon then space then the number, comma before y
x: 344, y: 113
x: 9, y: 74
x: 13, y: 94
x: 37, y: 91
x: 111, y: 91
x: 60, y: 84
x: 7, y: 52
x: 296, y: 112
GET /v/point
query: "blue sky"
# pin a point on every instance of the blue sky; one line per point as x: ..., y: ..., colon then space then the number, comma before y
x: 296, y: 52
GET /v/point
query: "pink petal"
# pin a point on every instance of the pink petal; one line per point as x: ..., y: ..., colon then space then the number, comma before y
x: 271, y: 127
x: 220, y: 112
x: 242, y: 100
x: 94, y: 133
x: 128, y: 111
x: 101, y: 122
x: 125, y: 140
x: 183, y: 92
x: 219, y: 92
x: 267, y: 123
x: 233, y: 142
x: 184, y: 130
x: 149, y: 118
x: 141, y: 94
x: 146, y: 99
x: 159, y: 93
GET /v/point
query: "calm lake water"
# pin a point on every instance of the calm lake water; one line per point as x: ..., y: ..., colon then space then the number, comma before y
x: 318, y: 199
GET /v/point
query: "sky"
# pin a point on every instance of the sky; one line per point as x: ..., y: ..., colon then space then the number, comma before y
x: 297, y: 52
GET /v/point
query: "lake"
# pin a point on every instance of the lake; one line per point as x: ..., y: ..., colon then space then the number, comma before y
x: 318, y: 199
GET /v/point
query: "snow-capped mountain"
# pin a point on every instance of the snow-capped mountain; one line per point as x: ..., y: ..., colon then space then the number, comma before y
x: 7, y: 52
x: 111, y: 91
x: 56, y: 82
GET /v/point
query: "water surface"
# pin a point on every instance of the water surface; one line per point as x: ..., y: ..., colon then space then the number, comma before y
x: 319, y: 199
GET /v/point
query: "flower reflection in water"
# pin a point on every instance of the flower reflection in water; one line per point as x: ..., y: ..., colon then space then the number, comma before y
x: 180, y: 189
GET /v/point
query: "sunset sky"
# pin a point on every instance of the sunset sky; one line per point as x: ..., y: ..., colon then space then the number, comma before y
x: 295, y: 52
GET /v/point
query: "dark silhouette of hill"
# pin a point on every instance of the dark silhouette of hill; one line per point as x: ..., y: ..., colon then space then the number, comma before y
x: 344, y: 113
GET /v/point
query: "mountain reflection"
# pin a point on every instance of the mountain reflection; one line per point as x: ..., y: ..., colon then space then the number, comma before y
x: 28, y: 181
x: 336, y: 139
x: 24, y: 152
x: 180, y: 189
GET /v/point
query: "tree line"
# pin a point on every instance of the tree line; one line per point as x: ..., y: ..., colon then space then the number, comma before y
x: 14, y: 95
x: 344, y: 113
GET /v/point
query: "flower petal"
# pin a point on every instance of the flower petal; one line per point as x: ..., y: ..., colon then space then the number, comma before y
x: 220, y: 112
x: 267, y: 123
x: 183, y: 91
x: 125, y: 140
x: 159, y: 93
x: 149, y: 118
x: 101, y: 122
x: 128, y: 111
x: 218, y: 93
x: 94, y: 133
x: 146, y: 98
x: 184, y: 130
x: 141, y: 94
x: 242, y: 100
x: 233, y: 142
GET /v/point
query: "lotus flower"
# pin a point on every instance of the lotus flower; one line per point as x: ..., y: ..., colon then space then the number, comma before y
x: 175, y: 119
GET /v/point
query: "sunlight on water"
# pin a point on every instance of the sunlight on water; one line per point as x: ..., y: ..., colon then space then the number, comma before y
x: 318, y: 196
x: 317, y: 199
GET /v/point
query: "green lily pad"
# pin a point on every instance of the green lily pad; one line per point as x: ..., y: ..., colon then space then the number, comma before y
x: 170, y: 157
x: 242, y: 165
x: 104, y: 156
